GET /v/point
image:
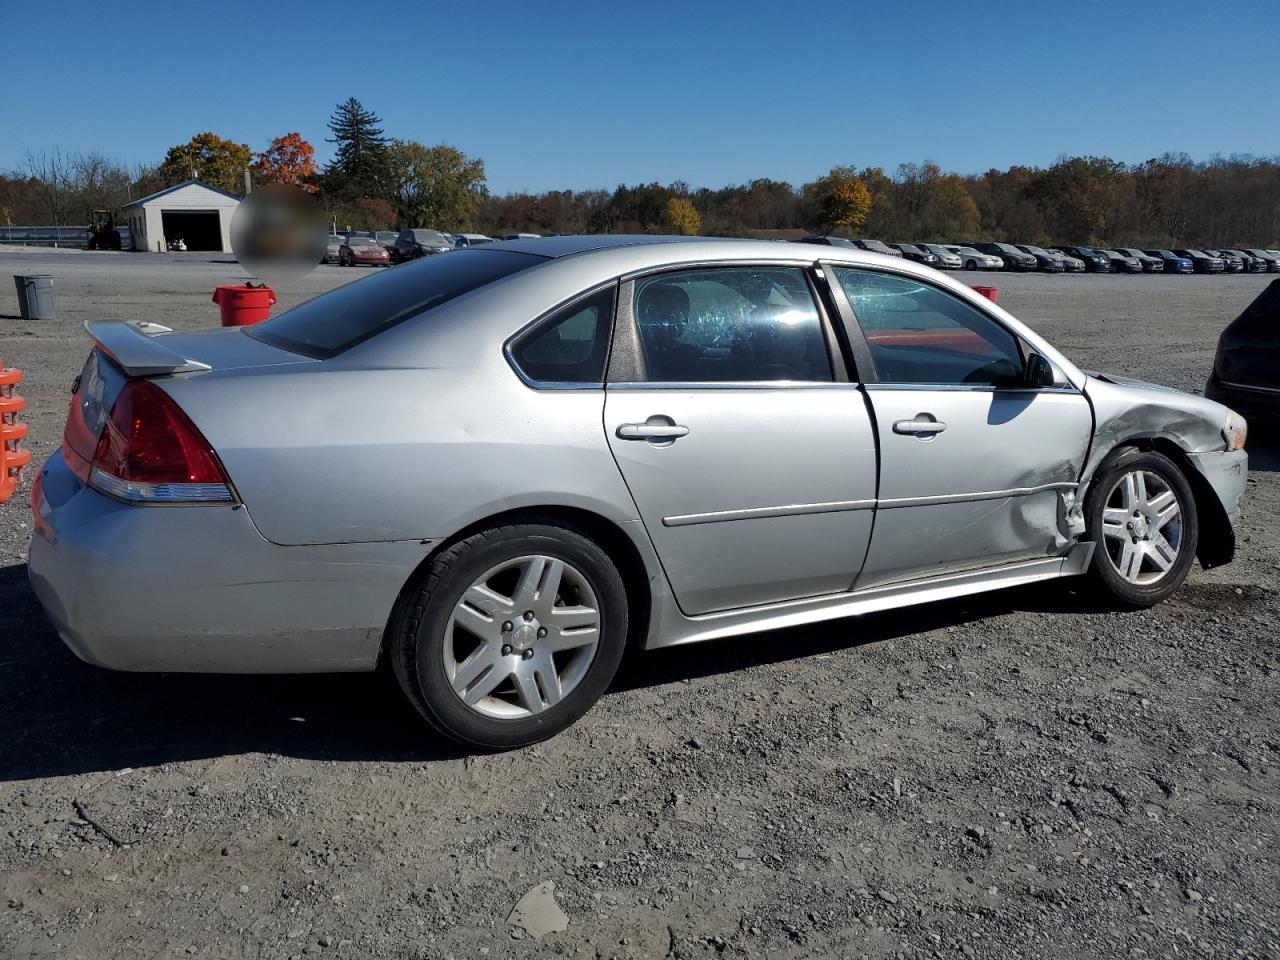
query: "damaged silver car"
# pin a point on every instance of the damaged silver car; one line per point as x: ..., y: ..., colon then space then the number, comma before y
x: 495, y: 470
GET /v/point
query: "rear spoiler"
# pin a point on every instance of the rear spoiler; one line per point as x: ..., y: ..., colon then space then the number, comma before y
x: 131, y: 345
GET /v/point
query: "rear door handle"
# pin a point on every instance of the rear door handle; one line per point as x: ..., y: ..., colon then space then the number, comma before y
x: 655, y: 428
x: 924, y: 425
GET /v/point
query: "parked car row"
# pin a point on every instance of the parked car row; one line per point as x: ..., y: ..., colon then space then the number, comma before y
x: 1067, y: 259
x: 354, y: 247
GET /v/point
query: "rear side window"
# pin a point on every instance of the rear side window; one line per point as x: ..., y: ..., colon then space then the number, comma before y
x: 338, y: 320
x: 572, y: 345
x: 730, y: 324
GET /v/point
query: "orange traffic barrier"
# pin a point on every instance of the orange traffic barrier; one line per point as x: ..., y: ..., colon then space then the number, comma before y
x: 12, y: 457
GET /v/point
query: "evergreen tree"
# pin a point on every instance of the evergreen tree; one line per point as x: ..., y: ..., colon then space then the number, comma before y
x: 360, y: 166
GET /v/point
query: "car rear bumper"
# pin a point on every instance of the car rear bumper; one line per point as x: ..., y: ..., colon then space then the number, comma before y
x: 198, y: 589
x: 1252, y: 403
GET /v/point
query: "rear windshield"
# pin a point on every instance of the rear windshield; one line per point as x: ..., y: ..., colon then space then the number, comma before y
x: 338, y: 320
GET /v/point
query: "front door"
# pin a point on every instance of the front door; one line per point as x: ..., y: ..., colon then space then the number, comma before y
x: 974, y: 463
x: 752, y: 464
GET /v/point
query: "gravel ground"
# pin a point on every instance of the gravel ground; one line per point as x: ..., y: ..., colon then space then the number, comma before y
x: 1024, y: 774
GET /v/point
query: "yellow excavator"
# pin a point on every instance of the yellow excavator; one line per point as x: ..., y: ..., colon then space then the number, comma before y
x: 103, y: 234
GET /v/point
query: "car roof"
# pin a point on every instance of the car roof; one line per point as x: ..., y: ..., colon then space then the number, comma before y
x: 556, y: 247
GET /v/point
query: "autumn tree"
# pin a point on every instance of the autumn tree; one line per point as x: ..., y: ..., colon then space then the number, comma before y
x: 206, y: 156
x: 682, y: 217
x: 288, y: 159
x: 438, y: 187
x: 361, y: 162
x: 838, y: 200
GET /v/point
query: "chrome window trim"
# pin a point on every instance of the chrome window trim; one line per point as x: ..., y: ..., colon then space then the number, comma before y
x: 803, y: 263
x: 972, y: 388
x: 757, y: 513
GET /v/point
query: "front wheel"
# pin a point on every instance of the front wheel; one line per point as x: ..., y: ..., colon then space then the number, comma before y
x: 511, y: 635
x: 971, y: 264
x: 1141, y: 514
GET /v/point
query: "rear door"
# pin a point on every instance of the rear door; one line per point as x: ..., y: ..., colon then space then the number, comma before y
x: 974, y: 463
x: 749, y: 453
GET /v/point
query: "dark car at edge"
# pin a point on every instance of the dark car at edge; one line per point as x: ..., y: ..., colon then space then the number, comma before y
x: 1246, y: 368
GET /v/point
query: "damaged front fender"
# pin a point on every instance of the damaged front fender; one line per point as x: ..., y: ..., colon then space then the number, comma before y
x: 1187, y: 428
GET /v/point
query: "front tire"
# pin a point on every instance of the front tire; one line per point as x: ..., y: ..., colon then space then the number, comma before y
x: 1141, y: 514
x: 511, y: 635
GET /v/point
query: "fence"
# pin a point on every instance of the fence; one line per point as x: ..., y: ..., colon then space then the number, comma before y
x: 57, y: 236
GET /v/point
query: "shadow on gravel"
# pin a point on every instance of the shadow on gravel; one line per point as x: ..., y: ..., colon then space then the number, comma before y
x: 796, y: 643
x: 1263, y: 446
x: 62, y: 717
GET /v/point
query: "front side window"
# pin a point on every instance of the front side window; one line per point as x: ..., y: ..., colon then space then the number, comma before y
x: 919, y: 334
x: 572, y: 345
x: 730, y: 324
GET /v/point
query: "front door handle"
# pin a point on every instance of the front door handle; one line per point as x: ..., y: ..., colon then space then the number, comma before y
x: 657, y: 429
x: 923, y: 425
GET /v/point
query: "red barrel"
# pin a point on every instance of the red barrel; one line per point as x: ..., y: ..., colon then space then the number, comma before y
x: 244, y: 306
x: 988, y: 292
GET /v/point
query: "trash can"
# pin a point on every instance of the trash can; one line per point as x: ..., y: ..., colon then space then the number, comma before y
x: 35, y: 295
x: 243, y: 306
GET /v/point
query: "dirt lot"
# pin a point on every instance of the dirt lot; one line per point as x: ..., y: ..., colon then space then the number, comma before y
x: 1020, y: 775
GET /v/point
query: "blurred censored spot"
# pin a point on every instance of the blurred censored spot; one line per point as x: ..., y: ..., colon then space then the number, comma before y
x: 278, y: 233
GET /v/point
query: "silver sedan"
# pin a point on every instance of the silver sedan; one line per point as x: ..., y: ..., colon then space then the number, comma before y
x: 496, y: 470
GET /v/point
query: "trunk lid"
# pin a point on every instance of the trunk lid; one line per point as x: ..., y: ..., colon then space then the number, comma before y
x: 125, y: 350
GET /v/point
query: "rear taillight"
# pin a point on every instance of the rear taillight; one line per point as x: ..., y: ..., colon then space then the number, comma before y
x: 150, y: 452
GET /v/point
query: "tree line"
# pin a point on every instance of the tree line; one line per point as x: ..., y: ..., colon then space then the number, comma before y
x: 1171, y: 200
x: 379, y: 182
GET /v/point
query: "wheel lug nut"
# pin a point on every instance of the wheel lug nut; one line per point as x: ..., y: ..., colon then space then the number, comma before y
x: 528, y: 615
x: 506, y: 649
x: 542, y: 632
x: 506, y: 627
x: 528, y: 654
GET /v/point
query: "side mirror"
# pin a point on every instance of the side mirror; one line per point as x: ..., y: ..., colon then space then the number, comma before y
x: 1038, y: 371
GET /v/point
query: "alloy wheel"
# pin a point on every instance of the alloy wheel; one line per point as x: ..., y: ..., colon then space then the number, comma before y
x: 1142, y: 527
x: 521, y: 637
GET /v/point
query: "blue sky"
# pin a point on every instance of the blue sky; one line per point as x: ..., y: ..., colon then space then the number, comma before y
x: 554, y: 94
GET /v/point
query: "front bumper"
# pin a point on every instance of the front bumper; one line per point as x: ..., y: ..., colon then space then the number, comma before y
x: 198, y: 589
x: 1227, y: 473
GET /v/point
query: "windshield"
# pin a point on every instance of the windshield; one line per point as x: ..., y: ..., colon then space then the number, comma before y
x: 338, y: 320
x: 431, y: 236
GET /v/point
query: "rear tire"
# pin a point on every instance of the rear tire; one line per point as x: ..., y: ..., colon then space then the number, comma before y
x: 510, y: 635
x: 1141, y: 514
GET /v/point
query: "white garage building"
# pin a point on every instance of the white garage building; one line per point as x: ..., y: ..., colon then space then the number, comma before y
x: 196, y: 212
